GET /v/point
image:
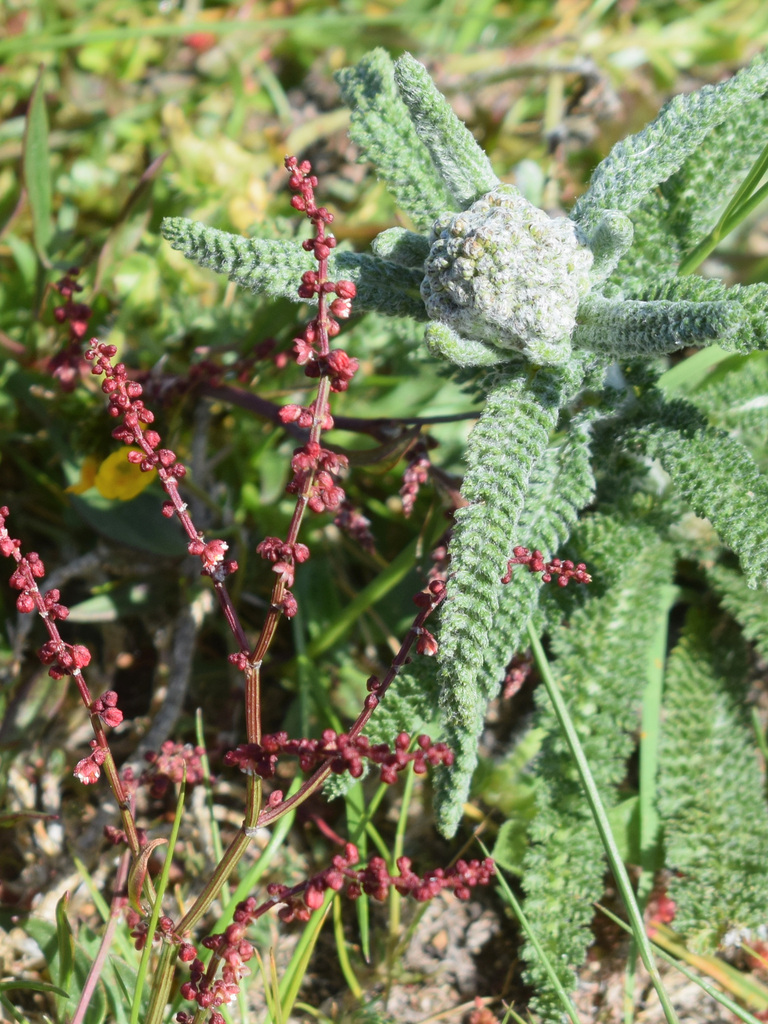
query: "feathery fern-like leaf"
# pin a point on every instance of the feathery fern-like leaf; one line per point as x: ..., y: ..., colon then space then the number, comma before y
x: 635, y: 166
x: 674, y: 218
x: 711, y: 793
x: 383, y: 129
x: 748, y: 607
x: 462, y: 165
x: 748, y: 329
x: 713, y: 472
x: 630, y: 328
x: 510, y: 438
x: 601, y: 658
x: 734, y: 396
x: 274, y: 267
x: 561, y: 485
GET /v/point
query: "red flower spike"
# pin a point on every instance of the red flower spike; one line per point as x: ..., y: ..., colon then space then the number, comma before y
x: 564, y: 571
x: 67, y: 364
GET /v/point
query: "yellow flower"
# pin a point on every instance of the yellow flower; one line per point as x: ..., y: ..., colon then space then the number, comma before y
x: 87, y: 476
x: 116, y: 477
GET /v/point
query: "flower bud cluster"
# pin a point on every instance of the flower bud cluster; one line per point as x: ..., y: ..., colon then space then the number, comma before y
x: 307, y: 416
x: 357, y: 526
x: 76, y: 314
x: 176, y: 762
x: 315, y: 468
x: 139, y: 927
x: 563, y: 571
x: 427, y: 600
x: 65, y: 365
x: 125, y: 401
x: 311, y: 349
x: 64, y: 659
x: 107, y: 710
x: 284, y: 557
x: 230, y: 948
x: 415, y: 476
x: 518, y: 670
x: 375, y: 880
x: 88, y: 770
x: 505, y: 273
x: 342, y: 752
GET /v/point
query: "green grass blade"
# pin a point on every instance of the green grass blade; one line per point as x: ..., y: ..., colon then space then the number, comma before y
x: 356, y: 820
x: 290, y: 983
x: 37, y: 169
x: 601, y: 821
x: 218, y: 847
x: 514, y: 903
x: 65, y: 942
x: 376, y: 589
x: 707, y: 986
x: 747, y: 197
x: 688, y: 374
x: 341, y: 952
x: 649, y: 761
x: 9, y: 1009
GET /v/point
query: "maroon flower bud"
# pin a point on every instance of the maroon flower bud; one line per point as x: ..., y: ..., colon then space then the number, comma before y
x: 426, y: 643
x: 81, y: 656
x: 25, y: 602
x: 87, y: 771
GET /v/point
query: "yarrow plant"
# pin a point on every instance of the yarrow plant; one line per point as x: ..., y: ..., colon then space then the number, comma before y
x: 586, y: 465
x: 564, y: 325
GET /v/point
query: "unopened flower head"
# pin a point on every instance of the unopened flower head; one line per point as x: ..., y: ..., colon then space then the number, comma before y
x: 504, y: 272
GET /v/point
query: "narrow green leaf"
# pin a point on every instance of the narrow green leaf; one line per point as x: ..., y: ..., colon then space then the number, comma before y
x: 353, y: 984
x: 601, y: 821
x: 368, y: 596
x: 530, y: 934
x: 290, y: 983
x: 354, y: 800
x: 164, y: 973
x: 9, y: 1009
x: 37, y: 168
x: 31, y: 986
x: 689, y: 373
x: 65, y: 942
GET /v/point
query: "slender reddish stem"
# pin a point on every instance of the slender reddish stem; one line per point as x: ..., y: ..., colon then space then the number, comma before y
x: 372, y: 701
